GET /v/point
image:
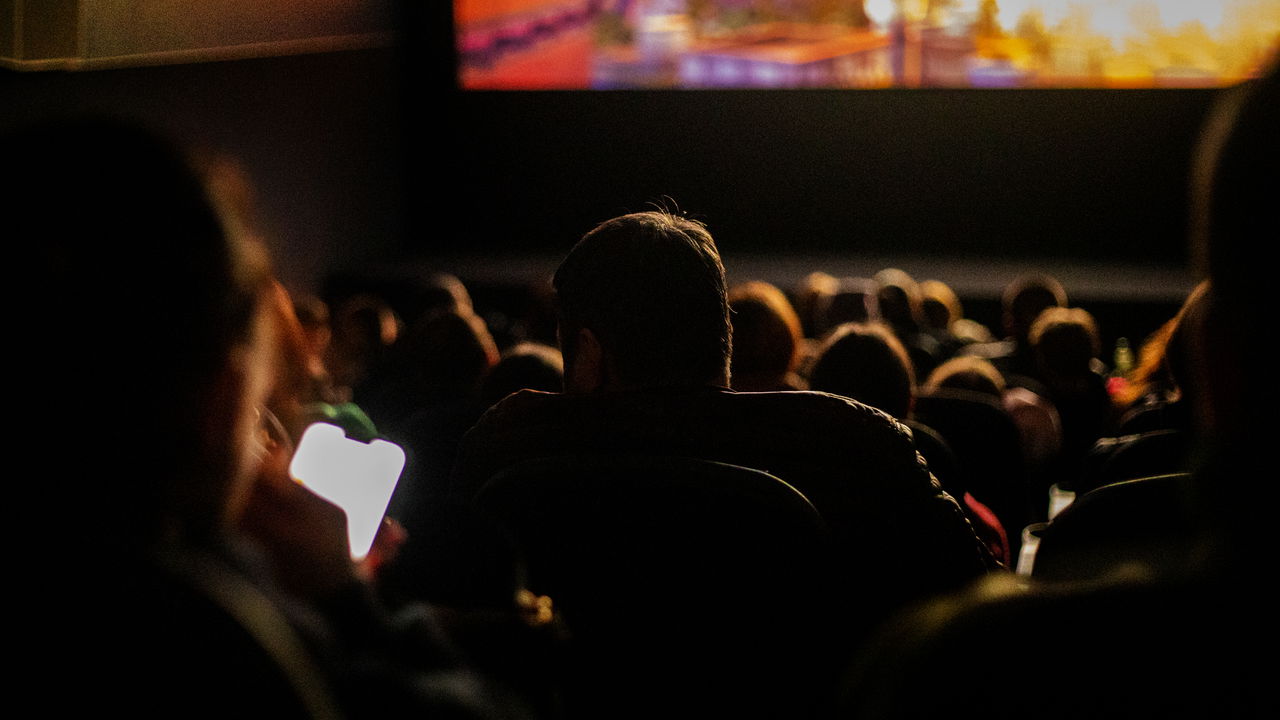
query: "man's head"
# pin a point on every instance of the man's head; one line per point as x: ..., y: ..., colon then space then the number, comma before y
x: 642, y: 303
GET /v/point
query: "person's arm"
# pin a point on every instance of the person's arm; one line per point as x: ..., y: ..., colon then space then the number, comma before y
x: 378, y: 661
x: 933, y: 538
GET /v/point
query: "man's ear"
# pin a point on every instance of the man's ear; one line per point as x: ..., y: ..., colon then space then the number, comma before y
x: 586, y: 373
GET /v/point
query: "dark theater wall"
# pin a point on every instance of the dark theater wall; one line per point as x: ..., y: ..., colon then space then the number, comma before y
x: 319, y: 136
x: 1090, y: 174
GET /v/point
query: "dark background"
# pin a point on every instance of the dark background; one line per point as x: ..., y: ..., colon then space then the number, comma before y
x: 1084, y: 174
x: 369, y: 158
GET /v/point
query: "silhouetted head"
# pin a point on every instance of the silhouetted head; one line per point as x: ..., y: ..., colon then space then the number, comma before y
x: 969, y: 373
x: 854, y: 301
x: 415, y: 295
x: 1025, y: 298
x: 868, y: 363
x: 812, y: 297
x: 642, y: 303
x: 1234, y: 221
x: 364, y: 329
x: 940, y: 304
x: 526, y: 366
x: 766, y: 337
x: 898, y: 295
x: 1065, y: 342
x: 445, y: 354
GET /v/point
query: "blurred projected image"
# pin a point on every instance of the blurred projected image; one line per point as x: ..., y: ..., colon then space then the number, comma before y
x: 578, y: 44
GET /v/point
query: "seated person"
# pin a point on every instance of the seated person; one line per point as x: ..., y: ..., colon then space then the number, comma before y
x: 767, y: 339
x: 645, y: 332
x: 1065, y: 343
x: 188, y: 573
x: 1021, y: 303
x: 902, y: 308
x: 1146, y: 641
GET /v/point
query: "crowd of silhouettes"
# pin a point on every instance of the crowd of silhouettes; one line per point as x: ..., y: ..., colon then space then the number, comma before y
x: 890, y: 472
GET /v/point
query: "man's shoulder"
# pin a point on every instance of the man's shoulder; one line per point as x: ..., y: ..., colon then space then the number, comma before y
x: 804, y: 408
x: 760, y: 427
x: 814, y: 408
x: 521, y: 401
x: 525, y: 406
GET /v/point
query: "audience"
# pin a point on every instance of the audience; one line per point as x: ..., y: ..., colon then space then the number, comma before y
x: 854, y: 300
x: 866, y: 362
x: 646, y: 336
x: 1175, y: 638
x: 902, y: 308
x: 812, y: 298
x: 187, y: 556
x: 363, y: 330
x: 524, y: 366
x: 1065, y: 345
x: 963, y: 400
x: 945, y: 320
x: 1021, y: 303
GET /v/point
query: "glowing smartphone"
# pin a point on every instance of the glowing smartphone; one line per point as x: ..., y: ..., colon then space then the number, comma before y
x: 356, y: 476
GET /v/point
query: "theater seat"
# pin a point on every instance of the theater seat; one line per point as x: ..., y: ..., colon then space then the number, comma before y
x: 987, y: 444
x: 689, y: 587
x: 1145, y: 521
x: 1121, y: 649
x: 1127, y: 457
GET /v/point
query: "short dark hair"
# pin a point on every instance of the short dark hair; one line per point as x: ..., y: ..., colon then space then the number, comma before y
x: 1065, y: 340
x: 651, y: 287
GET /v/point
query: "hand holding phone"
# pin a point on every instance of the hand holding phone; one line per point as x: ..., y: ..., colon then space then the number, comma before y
x: 358, y: 477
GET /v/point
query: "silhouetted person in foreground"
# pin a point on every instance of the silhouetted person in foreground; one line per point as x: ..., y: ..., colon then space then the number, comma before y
x: 645, y: 332
x: 181, y: 571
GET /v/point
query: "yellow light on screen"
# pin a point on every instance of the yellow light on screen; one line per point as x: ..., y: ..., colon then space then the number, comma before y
x: 357, y: 477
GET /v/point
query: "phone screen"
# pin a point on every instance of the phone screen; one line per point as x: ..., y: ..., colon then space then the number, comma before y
x: 356, y: 476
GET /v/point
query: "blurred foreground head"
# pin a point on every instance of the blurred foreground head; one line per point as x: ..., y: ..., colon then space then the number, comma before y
x: 147, y: 355
x: 1235, y: 223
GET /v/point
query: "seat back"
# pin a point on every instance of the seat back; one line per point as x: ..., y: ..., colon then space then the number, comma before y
x: 684, y: 583
x: 1128, y: 457
x: 987, y: 446
x: 1147, y: 521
